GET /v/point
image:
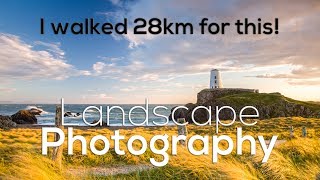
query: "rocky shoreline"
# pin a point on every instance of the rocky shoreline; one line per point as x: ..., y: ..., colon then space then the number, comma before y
x: 26, y: 116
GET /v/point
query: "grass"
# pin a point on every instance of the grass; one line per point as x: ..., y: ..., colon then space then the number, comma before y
x: 266, y: 99
x: 297, y: 158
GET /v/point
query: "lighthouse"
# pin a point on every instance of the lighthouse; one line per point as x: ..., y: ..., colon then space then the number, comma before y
x: 215, y: 79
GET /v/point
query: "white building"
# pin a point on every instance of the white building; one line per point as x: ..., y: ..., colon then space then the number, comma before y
x: 215, y: 79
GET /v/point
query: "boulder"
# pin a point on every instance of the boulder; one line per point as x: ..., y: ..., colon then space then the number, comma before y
x: 6, y: 122
x: 71, y: 114
x: 68, y: 114
x: 24, y: 117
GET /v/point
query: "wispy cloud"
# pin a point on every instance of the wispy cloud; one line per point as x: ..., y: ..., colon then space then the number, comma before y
x: 20, y: 60
x: 7, y: 90
x: 128, y: 89
x: 313, y: 82
x: 298, y: 76
x: 52, y: 47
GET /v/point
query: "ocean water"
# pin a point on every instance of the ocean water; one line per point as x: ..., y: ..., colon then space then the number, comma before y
x: 47, y: 117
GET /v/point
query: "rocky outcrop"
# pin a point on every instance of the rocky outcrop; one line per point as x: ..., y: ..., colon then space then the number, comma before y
x: 24, y: 117
x: 269, y: 105
x: 71, y: 114
x: 6, y: 122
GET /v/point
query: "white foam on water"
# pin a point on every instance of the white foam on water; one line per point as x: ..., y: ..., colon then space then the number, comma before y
x: 43, y: 112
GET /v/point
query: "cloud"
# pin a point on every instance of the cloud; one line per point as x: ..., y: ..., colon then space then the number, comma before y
x: 170, y: 56
x: 20, y: 60
x: 52, y: 47
x: 297, y: 76
x: 115, y: 70
x: 149, y: 77
x: 115, y: 2
x: 104, y: 96
x: 147, y: 89
x: 111, y: 59
x: 7, y: 90
x: 128, y: 89
x: 314, y: 82
x: 94, y: 98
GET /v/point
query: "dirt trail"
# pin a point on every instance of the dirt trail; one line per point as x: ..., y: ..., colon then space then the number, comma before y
x: 278, y: 142
x: 107, y: 171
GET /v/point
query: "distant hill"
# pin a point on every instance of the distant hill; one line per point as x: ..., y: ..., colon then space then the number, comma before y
x: 269, y: 105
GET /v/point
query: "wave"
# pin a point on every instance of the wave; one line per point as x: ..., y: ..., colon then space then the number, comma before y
x: 73, y: 117
x: 92, y: 110
x: 43, y: 112
x: 32, y: 107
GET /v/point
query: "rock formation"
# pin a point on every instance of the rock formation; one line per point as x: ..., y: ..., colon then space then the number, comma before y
x: 71, y: 114
x: 269, y: 105
x: 6, y: 122
x: 24, y: 117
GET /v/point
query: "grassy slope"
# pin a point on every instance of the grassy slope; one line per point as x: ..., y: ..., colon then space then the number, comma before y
x: 314, y: 102
x: 299, y: 158
x: 265, y: 99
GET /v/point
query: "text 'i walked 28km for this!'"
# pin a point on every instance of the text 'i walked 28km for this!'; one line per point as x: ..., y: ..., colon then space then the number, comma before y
x: 156, y: 26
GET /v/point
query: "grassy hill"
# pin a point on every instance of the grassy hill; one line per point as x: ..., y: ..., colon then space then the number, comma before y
x: 272, y: 104
x: 269, y: 105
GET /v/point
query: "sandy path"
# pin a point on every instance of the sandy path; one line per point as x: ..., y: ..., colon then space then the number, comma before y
x: 107, y: 171
x: 278, y: 142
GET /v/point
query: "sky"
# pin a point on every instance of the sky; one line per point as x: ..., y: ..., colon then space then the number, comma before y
x: 166, y: 69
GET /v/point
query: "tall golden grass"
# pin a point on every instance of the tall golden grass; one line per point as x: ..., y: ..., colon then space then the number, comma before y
x: 297, y: 158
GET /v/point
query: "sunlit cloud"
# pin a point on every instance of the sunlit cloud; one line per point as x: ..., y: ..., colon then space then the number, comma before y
x: 20, y: 60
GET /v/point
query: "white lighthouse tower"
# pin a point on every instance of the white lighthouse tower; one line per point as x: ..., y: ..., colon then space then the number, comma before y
x: 215, y: 79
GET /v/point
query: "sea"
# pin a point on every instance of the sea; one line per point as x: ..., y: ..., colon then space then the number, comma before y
x: 47, y: 117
